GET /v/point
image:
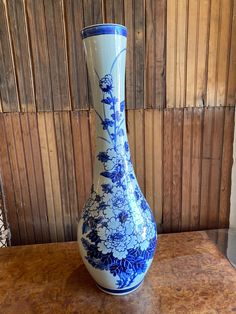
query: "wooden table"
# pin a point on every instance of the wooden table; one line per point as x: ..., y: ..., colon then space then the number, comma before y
x: 188, y: 275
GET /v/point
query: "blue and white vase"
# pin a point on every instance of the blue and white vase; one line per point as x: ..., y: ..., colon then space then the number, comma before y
x: 117, y: 231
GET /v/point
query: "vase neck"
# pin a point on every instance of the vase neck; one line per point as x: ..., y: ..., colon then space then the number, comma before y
x: 105, y: 55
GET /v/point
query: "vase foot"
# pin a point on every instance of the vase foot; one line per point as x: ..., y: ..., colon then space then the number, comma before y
x: 119, y: 291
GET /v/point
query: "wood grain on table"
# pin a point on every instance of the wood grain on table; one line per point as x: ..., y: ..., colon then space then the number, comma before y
x: 188, y: 275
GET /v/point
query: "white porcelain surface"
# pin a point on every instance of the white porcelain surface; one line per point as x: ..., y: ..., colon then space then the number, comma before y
x: 117, y: 231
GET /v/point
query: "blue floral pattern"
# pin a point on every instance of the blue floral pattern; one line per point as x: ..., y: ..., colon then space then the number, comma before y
x: 119, y: 231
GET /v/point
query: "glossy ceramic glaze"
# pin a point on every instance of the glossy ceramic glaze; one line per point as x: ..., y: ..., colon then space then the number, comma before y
x: 117, y: 231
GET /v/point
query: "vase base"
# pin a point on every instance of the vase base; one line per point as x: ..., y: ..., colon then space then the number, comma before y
x: 119, y: 291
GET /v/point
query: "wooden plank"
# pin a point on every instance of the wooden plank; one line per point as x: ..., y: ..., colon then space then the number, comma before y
x: 31, y: 178
x: 70, y: 162
x: 92, y: 11
x: 167, y: 169
x: 40, y: 58
x: 38, y: 174
x: 181, y: 52
x: 206, y: 166
x: 196, y: 164
x: 149, y: 156
x: 150, y: 54
x: 63, y: 174
x: 223, y: 55
x: 203, y: 39
x: 215, y: 177
x: 114, y: 11
x: 157, y: 164
x: 24, y: 200
x: 22, y: 54
x: 51, y: 175
x: 130, y: 68
x: 8, y: 186
x: 155, y: 53
x: 231, y: 93
x: 171, y: 44
x: 186, y: 169
x: 213, y: 52
x: 77, y: 66
x: 177, y: 137
x: 67, y: 173
x: 82, y: 154
x: 119, y: 11
x: 92, y: 14
x: 139, y: 57
x: 56, y: 39
x: 10, y: 139
x: 192, y: 52
x: 109, y: 11
x: 226, y: 167
x: 8, y: 82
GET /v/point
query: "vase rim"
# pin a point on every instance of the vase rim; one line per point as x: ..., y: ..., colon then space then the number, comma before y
x: 103, y: 29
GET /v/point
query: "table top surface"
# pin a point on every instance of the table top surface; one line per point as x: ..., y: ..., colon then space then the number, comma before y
x: 188, y: 275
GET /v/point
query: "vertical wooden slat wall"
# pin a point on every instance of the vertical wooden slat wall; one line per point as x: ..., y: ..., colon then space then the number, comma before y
x: 180, y: 96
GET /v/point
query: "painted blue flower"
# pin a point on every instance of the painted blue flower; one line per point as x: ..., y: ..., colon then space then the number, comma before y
x: 98, y: 198
x: 116, y: 175
x: 102, y: 206
x: 136, y: 194
x: 120, y: 132
x: 103, y: 156
x: 144, y: 205
x: 122, y: 106
x: 106, y: 123
x: 105, y: 83
x: 116, y: 116
x: 109, y: 100
x: 107, y: 188
x: 126, y: 145
x: 123, y: 216
x: 116, y: 238
x: 119, y: 200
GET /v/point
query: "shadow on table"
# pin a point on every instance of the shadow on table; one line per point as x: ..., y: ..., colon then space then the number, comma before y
x: 80, y: 280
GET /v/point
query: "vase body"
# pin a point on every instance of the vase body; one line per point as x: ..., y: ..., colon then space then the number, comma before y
x: 117, y: 231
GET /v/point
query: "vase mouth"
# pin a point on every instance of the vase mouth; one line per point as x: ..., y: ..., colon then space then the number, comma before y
x: 104, y: 29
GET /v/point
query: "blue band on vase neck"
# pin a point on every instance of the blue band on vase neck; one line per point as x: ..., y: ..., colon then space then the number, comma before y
x: 104, y: 29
